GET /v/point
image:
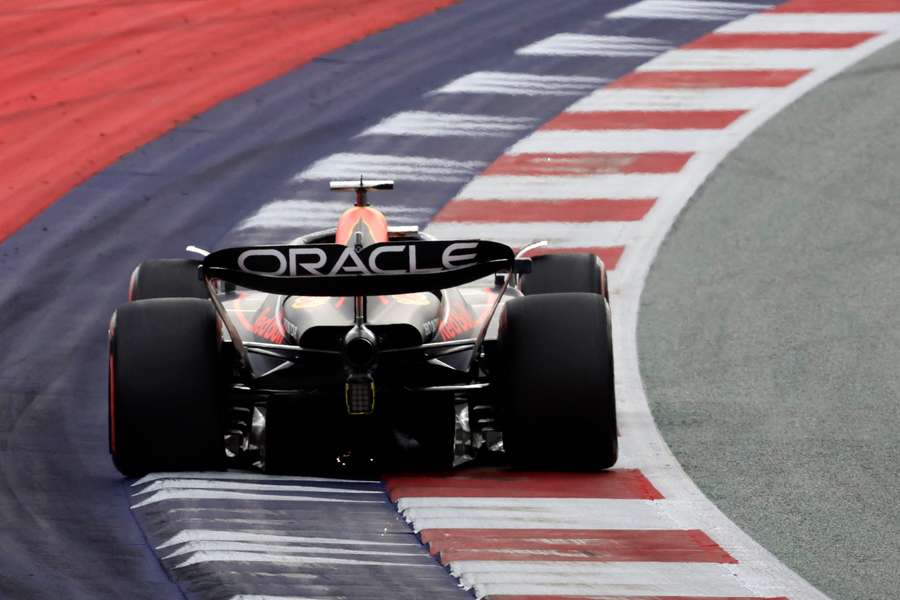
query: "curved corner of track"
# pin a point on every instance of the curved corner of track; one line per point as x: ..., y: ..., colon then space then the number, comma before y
x: 607, y: 175
x: 625, y: 110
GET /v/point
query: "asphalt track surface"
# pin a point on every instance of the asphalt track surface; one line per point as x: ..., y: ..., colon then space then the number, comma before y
x: 66, y: 527
x: 769, y: 334
x: 64, y: 510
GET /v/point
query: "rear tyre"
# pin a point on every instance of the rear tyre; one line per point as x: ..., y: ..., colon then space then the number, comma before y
x: 165, y: 386
x: 559, y: 401
x: 564, y: 273
x: 167, y: 278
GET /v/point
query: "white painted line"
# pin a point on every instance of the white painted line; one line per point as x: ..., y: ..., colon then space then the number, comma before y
x: 288, y: 559
x: 521, y: 84
x: 597, y: 578
x: 434, y: 124
x: 581, y: 44
x: 194, y: 547
x: 348, y: 165
x: 700, y: 10
x: 195, y: 495
x: 209, y: 535
x: 624, y: 99
x: 619, y: 140
x: 242, y: 476
x: 202, y: 484
x: 516, y: 187
x: 739, y: 60
x: 283, y: 213
x: 814, y: 23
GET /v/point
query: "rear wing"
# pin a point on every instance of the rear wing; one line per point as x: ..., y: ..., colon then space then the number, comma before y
x: 397, y: 267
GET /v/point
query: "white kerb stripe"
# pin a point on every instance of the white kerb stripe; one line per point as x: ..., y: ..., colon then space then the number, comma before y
x: 349, y: 165
x: 615, y: 99
x: 814, y: 23
x: 211, y: 535
x: 738, y: 60
x: 521, y: 84
x: 598, y: 578
x: 580, y: 44
x: 242, y: 476
x: 194, y: 547
x: 287, y: 559
x: 559, y: 234
x: 433, y: 124
x: 200, y: 484
x: 620, y: 140
x: 516, y: 187
x: 227, y: 495
x: 530, y: 513
x: 700, y: 10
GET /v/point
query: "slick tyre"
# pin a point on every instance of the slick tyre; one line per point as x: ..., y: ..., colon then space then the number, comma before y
x: 563, y: 273
x: 167, y: 278
x: 557, y: 385
x: 165, y: 387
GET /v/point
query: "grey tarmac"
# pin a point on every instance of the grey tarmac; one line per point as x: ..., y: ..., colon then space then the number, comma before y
x: 769, y: 334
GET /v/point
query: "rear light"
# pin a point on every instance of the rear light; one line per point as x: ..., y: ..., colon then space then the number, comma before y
x: 359, y: 393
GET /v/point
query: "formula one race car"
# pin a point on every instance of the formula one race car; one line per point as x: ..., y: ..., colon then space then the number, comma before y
x: 363, y: 347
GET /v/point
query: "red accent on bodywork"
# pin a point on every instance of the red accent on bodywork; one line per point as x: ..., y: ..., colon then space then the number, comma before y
x: 247, y: 325
x: 112, y: 404
x: 131, y: 283
x: 267, y: 328
x: 459, y: 321
x: 371, y: 218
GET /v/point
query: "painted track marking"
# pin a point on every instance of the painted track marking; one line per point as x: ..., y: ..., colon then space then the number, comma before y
x: 756, y: 574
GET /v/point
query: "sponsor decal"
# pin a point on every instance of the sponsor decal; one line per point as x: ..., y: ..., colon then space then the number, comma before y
x: 389, y: 258
x: 458, y: 322
x: 267, y: 328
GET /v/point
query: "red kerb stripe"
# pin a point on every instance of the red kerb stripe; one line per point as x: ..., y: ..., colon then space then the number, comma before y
x: 709, y: 79
x: 588, y: 163
x: 628, y: 119
x: 621, y: 484
x: 527, y: 211
x: 839, y: 6
x: 772, y: 41
x: 592, y: 545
